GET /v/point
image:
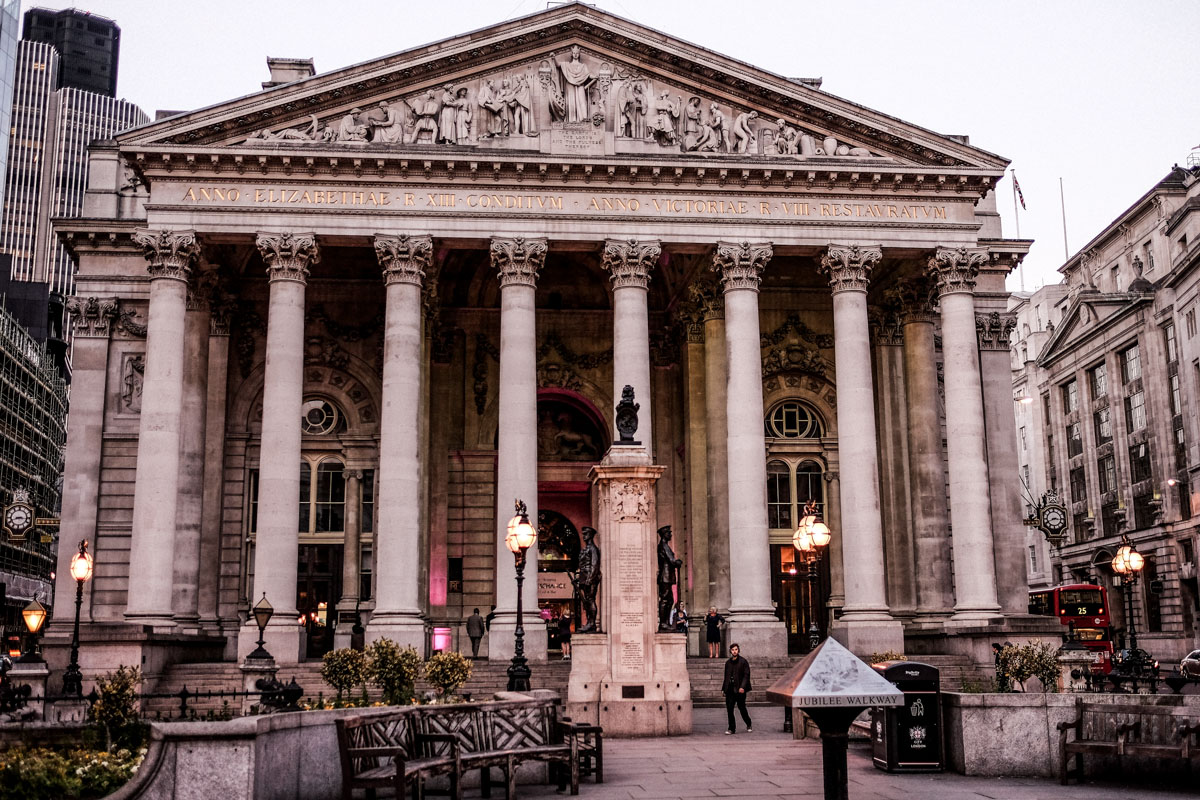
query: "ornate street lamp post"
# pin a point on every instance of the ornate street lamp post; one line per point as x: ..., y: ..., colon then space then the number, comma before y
x: 263, y: 611
x: 81, y: 571
x: 811, y: 538
x: 1128, y: 563
x: 521, y: 536
x: 34, y: 616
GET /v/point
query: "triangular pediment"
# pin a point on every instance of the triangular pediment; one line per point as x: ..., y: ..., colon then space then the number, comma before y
x: 572, y: 80
x: 1089, y: 313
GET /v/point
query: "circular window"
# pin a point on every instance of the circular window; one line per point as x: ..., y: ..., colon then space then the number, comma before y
x: 318, y: 417
x: 793, y: 421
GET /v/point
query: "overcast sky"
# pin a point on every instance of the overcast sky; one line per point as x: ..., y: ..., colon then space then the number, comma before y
x: 1101, y: 93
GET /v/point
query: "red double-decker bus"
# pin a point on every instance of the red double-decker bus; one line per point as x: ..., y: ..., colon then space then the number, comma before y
x: 1085, y: 606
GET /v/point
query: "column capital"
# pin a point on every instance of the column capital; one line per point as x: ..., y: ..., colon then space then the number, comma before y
x: 915, y: 299
x: 630, y: 261
x: 200, y: 288
x: 994, y: 330
x: 885, y: 327
x: 740, y: 264
x: 518, y: 260
x: 403, y: 258
x: 288, y: 255
x: 171, y: 253
x: 955, y: 268
x: 848, y: 267
x: 706, y: 297
x: 92, y: 317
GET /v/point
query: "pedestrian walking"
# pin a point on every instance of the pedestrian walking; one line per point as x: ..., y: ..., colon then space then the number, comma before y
x: 736, y: 686
x: 564, y: 634
x: 713, y: 622
x: 475, y: 630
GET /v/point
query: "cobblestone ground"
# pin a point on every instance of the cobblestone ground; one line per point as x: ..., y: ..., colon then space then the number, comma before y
x: 769, y: 764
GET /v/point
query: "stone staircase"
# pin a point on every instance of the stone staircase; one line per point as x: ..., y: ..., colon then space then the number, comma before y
x: 489, y: 677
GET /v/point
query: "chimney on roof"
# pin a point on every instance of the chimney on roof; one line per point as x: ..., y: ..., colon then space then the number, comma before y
x: 287, y: 70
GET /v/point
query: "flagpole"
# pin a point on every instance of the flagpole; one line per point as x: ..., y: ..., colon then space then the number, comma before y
x: 1017, y: 217
x: 1063, y: 202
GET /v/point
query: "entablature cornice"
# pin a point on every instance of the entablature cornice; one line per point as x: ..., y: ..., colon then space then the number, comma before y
x: 877, y: 178
x: 98, y: 236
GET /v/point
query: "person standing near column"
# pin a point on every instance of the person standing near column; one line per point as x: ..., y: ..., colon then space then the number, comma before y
x: 736, y: 685
x: 475, y: 630
x: 172, y: 255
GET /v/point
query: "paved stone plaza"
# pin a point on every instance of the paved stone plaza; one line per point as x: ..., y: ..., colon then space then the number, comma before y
x: 768, y: 763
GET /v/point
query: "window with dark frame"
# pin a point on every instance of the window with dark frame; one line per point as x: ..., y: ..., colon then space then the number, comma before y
x: 1102, y: 422
x: 1078, y: 485
x: 1070, y: 393
x: 1108, y: 519
x: 1107, y: 468
x: 1098, y: 378
x: 1074, y: 440
x: 1143, y: 511
x: 1080, y: 523
x: 1139, y: 462
x: 1135, y: 412
x: 1131, y: 363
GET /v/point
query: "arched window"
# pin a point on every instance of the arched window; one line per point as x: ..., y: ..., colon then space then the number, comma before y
x: 319, y: 417
x: 793, y: 420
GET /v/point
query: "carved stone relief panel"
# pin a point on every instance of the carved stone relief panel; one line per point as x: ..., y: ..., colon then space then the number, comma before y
x: 133, y: 372
x: 567, y: 101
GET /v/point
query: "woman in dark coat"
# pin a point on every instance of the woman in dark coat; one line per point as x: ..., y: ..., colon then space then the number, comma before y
x: 712, y: 634
x: 564, y: 634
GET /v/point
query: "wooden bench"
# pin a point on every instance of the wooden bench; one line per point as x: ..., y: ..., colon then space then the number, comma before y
x: 1126, y: 730
x: 407, y: 744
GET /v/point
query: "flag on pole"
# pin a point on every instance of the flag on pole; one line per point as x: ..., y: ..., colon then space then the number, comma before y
x: 1017, y: 188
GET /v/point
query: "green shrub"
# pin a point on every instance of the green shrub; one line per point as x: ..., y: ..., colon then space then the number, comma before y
x: 44, y: 774
x: 1018, y: 663
x: 116, y: 706
x: 447, y: 671
x: 886, y: 655
x: 394, y: 670
x: 344, y: 669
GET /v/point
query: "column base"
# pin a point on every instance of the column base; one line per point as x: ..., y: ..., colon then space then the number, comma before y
x: 866, y: 636
x: 501, y: 639
x: 283, y: 640
x: 406, y: 630
x: 153, y: 622
x: 189, y: 624
x: 757, y: 634
x: 972, y: 617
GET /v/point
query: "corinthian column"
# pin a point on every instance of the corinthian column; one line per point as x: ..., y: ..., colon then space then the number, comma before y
x: 865, y: 625
x: 925, y: 463
x: 955, y: 269
x: 518, y: 262
x: 753, y: 623
x: 397, y: 616
x: 156, y: 487
x: 287, y: 257
x: 191, y: 450
x: 630, y: 263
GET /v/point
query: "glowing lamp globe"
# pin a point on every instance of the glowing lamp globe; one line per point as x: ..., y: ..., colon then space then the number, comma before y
x: 81, y: 565
x: 521, y: 534
x: 34, y: 615
x: 821, y: 535
x: 802, y: 539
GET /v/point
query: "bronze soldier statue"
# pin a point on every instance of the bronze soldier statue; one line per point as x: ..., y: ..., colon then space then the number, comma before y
x: 668, y: 576
x: 587, y: 580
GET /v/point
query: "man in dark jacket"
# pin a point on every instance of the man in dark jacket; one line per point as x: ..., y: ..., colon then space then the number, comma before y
x: 475, y: 629
x: 736, y: 686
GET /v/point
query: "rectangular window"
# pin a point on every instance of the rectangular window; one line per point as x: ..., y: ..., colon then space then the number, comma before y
x: 1053, y: 467
x: 1131, y: 364
x: 253, y: 500
x: 1078, y: 485
x: 1022, y: 433
x: 1153, y: 599
x: 1143, y: 511
x: 1190, y: 320
x: 454, y: 575
x: 1074, y: 440
x: 1107, y: 468
x: 1185, y: 502
x: 779, y: 495
x: 1108, y: 518
x: 305, y: 495
x: 1139, y: 462
x: 1135, y: 412
x: 1070, y: 393
x: 331, y: 498
x: 1033, y: 567
x: 1102, y: 421
x: 1176, y: 401
x: 1080, y: 523
x: 1172, y: 347
x: 367, y: 520
x: 1098, y: 377
x: 1025, y: 475
x: 366, y: 562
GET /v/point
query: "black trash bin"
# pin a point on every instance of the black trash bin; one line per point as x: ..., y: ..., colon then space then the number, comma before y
x: 908, y: 738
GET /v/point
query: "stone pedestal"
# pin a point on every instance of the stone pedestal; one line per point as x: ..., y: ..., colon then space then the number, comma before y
x: 630, y: 679
x: 1074, y: 665
x: 35, y: 675
x: 252, y: 670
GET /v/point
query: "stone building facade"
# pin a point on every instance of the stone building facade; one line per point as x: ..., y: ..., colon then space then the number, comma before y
x: 349, y: 319
x: 1110, y: 361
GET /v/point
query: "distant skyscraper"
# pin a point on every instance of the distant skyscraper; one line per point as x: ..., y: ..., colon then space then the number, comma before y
x: 47, y: 162
x: 9, y: 28
x: 89, y: 46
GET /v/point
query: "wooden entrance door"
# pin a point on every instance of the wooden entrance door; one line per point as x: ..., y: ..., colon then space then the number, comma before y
x: 318, y: 588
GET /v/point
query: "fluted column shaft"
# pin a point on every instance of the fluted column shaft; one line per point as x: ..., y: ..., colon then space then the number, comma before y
x: 188, y: 514
x: 397, y: 616
x: 518, y: 262
x: 710, y: 302
x: 970, y: 513
x: 151, y: 550
x: 925, y: 461
x: 740, y: 266
x: 287, y: 257
x: 849, y: 270
x: 630, y: 263
x: 350, y: 549
x: 214, y: 471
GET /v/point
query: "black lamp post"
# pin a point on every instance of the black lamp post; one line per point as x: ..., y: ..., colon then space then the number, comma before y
x: 1128, y: 563
x: 263, y: 611
x: 521, y: 536
x: 34, y: 616
x: 81, y: 571
x: 811, y: 538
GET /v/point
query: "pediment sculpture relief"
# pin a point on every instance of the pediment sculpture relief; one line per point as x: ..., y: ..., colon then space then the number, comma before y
x: 573, y: 102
